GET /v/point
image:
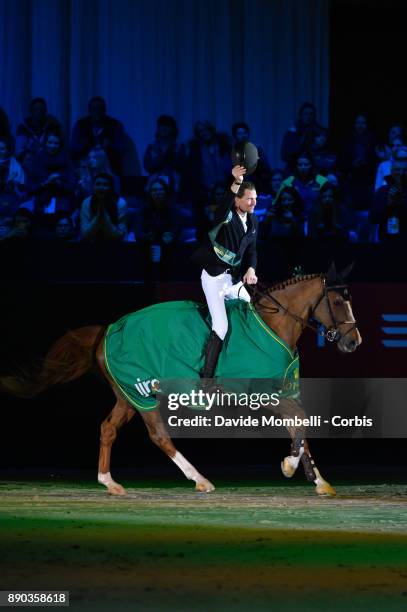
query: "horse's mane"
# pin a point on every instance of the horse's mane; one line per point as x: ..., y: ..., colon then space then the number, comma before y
x: 294, y: 280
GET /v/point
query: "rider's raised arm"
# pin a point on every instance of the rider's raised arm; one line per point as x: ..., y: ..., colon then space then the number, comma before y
x: 223, y: 209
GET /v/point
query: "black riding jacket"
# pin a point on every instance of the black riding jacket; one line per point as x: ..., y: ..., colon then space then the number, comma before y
x: 232, y: 236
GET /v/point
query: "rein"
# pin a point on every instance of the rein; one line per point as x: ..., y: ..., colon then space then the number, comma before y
x: 332, y: 333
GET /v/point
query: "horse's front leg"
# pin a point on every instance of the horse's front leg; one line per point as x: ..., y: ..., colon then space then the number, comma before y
x: 121, y: 414
x: 159, y: 435
x: 289, y: 409
x: 300, y: 451
x: 322, y: 487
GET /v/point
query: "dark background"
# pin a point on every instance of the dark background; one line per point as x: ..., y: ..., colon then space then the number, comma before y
x: 367, y: 64
x: 42, y: 297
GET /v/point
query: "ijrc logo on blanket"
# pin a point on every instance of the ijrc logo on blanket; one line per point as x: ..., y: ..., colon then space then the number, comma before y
x: 147, y: 387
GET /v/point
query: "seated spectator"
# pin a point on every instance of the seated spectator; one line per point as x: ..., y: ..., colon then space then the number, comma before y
x: 325, y: 160
x: 96, y: 162
x: 358, y: 162
x: 165, y: 156
x: 12, y: 177
x: 103, y: 215
x: 389, y: 210
x: 261, y: 176
x: 99, y: 130
x: 384, y: 168
x: 52, y: 186
x: 64, y: 230
x: 384, y: 151
x: 52, y: 172
x: 276, y: 179
x: 286, y: 216
x: 32, y: 132
x: 208, y: 161
x: 306, y: 180
x: 160, y: 216
x: 205, y: 211
x: 265, y: 200
x: 325, y: 219
x: 298, y: 137
x: 20, y: 226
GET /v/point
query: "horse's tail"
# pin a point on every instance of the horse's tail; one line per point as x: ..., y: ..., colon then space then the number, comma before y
x: 70, y: 357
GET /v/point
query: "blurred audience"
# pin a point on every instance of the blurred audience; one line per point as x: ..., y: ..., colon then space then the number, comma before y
x: 320, y: 193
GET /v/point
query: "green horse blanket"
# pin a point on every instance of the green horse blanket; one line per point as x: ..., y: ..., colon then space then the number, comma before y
x: 167, y: 341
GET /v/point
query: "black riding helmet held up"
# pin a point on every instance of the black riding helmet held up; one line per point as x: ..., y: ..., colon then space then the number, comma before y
x: 245, y: 154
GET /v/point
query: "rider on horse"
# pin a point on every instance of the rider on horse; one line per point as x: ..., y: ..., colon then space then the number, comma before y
x: 228, y: 260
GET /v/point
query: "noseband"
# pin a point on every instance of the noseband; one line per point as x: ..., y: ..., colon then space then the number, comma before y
x: 332, y: 333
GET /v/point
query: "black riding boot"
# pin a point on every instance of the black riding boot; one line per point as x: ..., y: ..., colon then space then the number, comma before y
x: 213, y: 348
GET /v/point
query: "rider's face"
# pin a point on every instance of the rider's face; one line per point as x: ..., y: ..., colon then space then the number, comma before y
x: 247, y: 203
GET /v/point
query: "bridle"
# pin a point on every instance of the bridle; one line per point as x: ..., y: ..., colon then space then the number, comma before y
x: 333, y: 332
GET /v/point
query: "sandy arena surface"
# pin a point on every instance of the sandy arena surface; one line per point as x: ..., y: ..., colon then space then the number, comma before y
x: 166, y: 547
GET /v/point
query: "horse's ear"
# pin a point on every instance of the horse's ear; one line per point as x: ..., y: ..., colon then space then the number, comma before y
x: 346, y: 271
x: 331, y: 274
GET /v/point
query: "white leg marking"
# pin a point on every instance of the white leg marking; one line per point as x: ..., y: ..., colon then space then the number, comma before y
x: 202, y: 484
x: 105, y: 479
x: 114, y: 488
x: 294, y: 461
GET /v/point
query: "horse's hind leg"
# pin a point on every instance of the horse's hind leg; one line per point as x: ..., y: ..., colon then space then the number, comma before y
x: 121, y: 414
x: 159, y: 435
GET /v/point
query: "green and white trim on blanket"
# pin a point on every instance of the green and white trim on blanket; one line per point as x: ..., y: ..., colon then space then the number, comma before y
x: 167, y: 341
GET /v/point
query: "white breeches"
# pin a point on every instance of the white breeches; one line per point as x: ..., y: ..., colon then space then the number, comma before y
x: 217, y: 289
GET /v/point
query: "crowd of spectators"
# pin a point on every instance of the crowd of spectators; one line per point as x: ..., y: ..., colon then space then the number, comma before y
x: 77, y: 190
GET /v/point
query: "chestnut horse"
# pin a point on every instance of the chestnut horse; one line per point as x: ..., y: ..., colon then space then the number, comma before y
x: 287, y: 308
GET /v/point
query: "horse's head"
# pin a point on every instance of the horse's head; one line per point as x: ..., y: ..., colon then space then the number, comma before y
x: 334, y: 311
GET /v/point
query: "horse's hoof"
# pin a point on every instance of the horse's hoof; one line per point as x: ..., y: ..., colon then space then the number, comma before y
x: 204, y: 486
x: 324, y: 489
x: 287, y: 468
x: 117, y: 490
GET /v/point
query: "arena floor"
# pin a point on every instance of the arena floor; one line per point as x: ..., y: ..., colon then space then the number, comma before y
x: 244, y: 547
